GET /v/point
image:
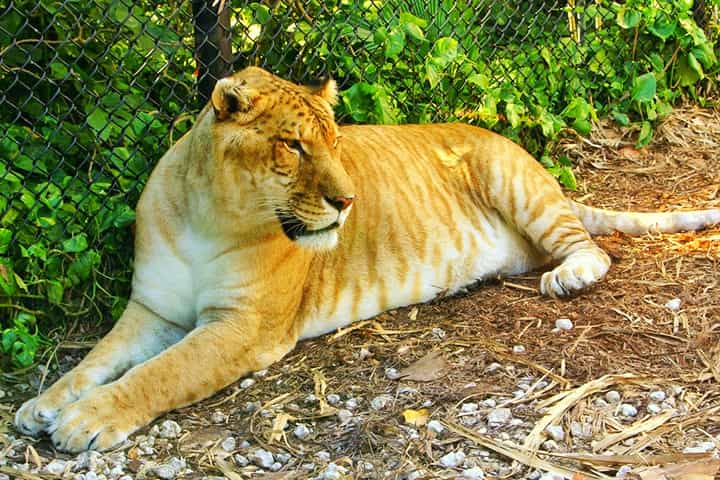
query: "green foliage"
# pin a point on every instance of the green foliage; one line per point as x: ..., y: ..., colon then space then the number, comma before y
x: 101, y: 94
x: 94, y: 109
x: 529, y: 76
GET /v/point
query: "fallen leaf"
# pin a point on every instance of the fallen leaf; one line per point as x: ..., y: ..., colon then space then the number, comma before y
x: 698, y: 470
x: 416, y: 418
x: 320, y: 387
x: 631, y: 153
x: 278, y: 428
x: 31, y: 454
x: 430, y: 367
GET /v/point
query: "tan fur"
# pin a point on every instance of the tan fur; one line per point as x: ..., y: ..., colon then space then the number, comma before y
x: 399, y: 214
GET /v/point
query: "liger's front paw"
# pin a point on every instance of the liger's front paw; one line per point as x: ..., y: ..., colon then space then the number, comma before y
x: 98, y: 421
x: 38, y: 414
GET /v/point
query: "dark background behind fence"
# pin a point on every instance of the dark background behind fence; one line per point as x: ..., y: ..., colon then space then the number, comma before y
x: 92, y: 93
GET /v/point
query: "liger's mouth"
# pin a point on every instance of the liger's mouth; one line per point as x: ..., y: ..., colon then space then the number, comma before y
x: 295, y: 228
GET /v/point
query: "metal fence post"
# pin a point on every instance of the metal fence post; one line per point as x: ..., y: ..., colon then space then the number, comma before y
x: 213, y: 51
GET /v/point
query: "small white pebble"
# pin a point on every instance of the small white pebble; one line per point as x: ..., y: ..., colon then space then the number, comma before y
x: 283, y: 457
x: 438, y: 333
x: 260, y: 374
x: 493, y: 367
x: 344, y: 416
x: 218, y: 417
x: 381, y: 401
x: 56, y: 467
x: 275, y: 466
x: 657, y: 396
x: 333, y: 471
x: 623, y: 471
x: 516, y: 422
x: 323, y: 456
x: 244, y: 445
x: 262, y: 458
x: 499, y: 416
x: 628, y: 410
x: 581, y: 430
x: 453, y: 459
x: 301, y: 431
x: 392, y: 373
x: 518, y: 349
x: 600, y: 403
x: 489, y: 402
x: 563, y: 324
x: 703, y: 447
x: 241, y: 460
x: 654, y: 408
x: 247, y: 383
x: 163, y: 471
x: 229, y: 444
x: 311, y: 398
x: 555, y: 432
x: 333, y: 399
x: 551, y: 476
x: 351, y: 404
x: 435, y: 426
x: 673, y: 304
x: 469, y: 407
x: 169, y: 429
x: 612, y: 396
x: 474, y: 473
x: 364, y: 353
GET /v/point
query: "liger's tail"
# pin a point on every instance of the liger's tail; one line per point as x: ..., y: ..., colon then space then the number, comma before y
x: 602, y: 222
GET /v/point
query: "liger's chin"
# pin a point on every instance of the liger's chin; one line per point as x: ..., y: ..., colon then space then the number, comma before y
x: 321, y: 241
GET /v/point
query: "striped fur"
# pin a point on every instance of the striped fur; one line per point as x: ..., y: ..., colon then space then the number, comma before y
x: 268, y: 223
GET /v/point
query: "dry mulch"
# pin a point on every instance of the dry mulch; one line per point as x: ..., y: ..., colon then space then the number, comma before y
x: 498, y: 348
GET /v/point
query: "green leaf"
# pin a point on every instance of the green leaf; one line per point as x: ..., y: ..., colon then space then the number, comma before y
x: 644, y: 88
x: 262, y: 13
x: 394, y: 43
x: 567, y: 178
x: 75, y: 244
x: 628, y: 18
x: 55, y: 291
x: 58, y: 70
x: 479, y: 79
x: 514, y: 113
x: 646, y: 134
x: 413, y: 26
x: 444, y: 51
x: 621, y: 118
x: 5, y: 239
x: 687, y: 75
x: 663, y: 27
x: 695, y: 65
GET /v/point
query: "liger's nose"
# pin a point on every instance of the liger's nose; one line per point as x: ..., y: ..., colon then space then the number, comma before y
x: 340, y: 203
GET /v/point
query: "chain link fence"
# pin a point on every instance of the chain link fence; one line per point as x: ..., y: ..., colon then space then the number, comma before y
x: 92, y: 92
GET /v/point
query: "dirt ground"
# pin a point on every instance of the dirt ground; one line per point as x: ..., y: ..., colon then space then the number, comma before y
x: 630, y: 390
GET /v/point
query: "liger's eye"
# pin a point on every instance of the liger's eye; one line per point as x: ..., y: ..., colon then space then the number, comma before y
x: 294, y: 145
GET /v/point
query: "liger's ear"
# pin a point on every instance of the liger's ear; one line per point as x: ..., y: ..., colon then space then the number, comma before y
x: 235, y: 98
x: 328, y: 91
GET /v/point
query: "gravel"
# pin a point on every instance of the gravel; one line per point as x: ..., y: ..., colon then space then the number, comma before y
x: 563, y: 324
x: 499, y: 416
x: 627, y: 410
x: 169, y: 429
x: 435, y: 426
x: 229, y: 444
x: 453, y: 459
x: 301, y: 431
x: 381, y: 401
x: 658, y: 396
x: 474, y: 473
x: 262, y: 458
x: 612, y: 396
x: 555, y: 432
x: 247, y: 383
